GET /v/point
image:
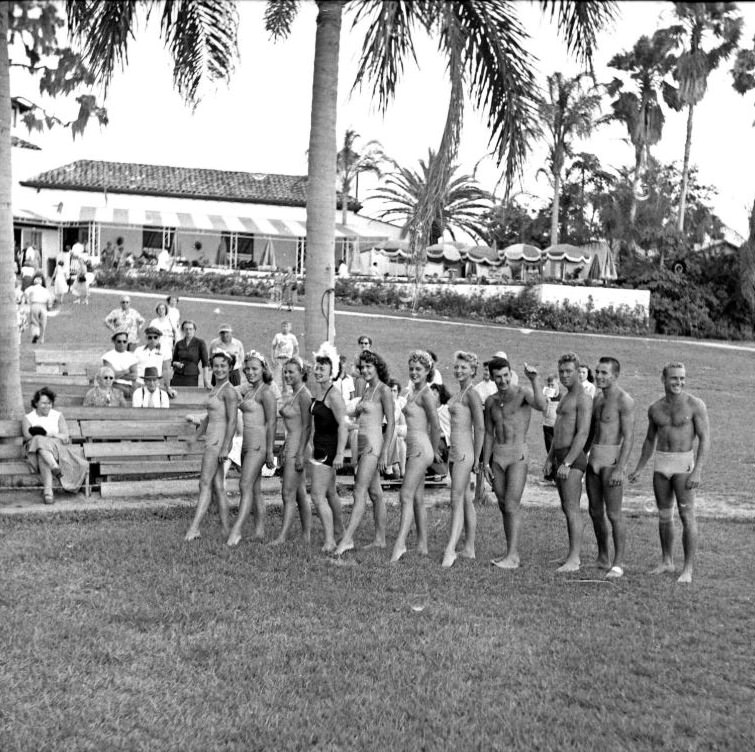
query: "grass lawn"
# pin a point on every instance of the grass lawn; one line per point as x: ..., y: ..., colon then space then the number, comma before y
x: 723, y: 378
x: 117, y: 635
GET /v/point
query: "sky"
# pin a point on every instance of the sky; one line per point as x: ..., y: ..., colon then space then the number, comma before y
x: 260, y: 121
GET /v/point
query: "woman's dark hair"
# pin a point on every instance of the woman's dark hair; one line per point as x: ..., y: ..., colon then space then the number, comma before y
x: 323, y: 359
x: 159, y: 306
x: 230, y: 359
x: 189, y: 321
x: 443, y: 394
x: 119, y: 241
x: 45, y: 391
x: 394, y: 382
x: 367, y: 356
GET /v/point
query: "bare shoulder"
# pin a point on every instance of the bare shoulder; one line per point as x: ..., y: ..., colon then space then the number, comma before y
x: 626, y: 401
x: 490, y: 402
x: 696, y: 404
x: 584, y: 401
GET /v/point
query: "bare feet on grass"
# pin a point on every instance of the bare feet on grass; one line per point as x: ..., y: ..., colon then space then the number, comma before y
x: 507, y: 562
x: 328, y: 547
x: 233, y: 539
x: 377, y: 543
x: 343, y: 547
x: 685, y: 576
x: 192, y: 535
x: 397, y: 554
x: 448, y: 559
x: 663, y: 567
x: 467, y: 553
x: 570, y: 565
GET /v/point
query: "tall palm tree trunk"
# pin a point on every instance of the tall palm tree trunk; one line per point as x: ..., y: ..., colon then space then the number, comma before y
x: 685, y: 170
x: 635, y: 186
x: 319, y: 321
x: 11, y: 404
x: 555, y: 209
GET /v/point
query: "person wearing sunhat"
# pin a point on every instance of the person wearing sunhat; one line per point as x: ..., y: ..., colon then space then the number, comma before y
x: 150, y: 395
x: 226, y: 342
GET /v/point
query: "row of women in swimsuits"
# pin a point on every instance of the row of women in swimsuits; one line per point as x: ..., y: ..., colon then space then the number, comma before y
x: 323, y: 420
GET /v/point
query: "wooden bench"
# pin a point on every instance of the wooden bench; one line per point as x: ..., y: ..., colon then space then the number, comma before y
x: 68, y: 362
x: 72, y: 394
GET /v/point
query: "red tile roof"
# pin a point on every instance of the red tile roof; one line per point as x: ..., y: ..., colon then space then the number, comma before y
x: 180, y: 182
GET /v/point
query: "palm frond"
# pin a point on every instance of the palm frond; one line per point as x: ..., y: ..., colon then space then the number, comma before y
x: 103, y: 30
x: 387, y: 42
x: 499, y: 71
x: 201, y: 37
x: 279, y: 17
x: 580, y: 22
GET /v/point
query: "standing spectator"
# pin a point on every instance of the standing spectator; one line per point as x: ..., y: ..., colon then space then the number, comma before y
x: 60, y: 281
x: 107, y: 255
x: 22, y: 309
x: 226, y: 342
x: 290, y: 288
x: 587, y: 380
x: 80, y: 286
x: 150, y: 355
x: 173, y: 313
x: 32, y: 258
x: 119, y: 253
x: 78, y: 248
x: 126, y: 319
x: 486, y: 387
x: 168, y: 337
x: 164, y: 260
x: 552, y: 391
x: 123, y: 362
x: 102, y: 394
x: 285, y: 346
x: 150, y: 395
x: 190, y: 359
x: 40, y: 301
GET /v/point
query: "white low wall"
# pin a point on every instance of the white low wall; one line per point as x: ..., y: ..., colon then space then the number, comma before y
x: 602, y: 297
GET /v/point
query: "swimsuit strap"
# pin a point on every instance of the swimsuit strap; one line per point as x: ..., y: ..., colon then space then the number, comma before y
x: 256, y: 392
x: 372, y: 396
x: 219, y: 389
x: 413, y: 396
x: 460, y: 396
x: 291, y: 401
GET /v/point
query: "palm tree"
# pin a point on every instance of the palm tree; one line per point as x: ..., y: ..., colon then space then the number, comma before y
x: 648, y: 64
x: 747, y: 267
x: 461, y: 205
x: 485, y: 46
x: 351, y: 163
x: 694, y: 64
x: 566, y: 113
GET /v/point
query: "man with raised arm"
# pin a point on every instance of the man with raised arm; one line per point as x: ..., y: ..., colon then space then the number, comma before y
x: 613, y: 436
x: 504, y: 453
x: 567, y: 453
x: 674, y: 422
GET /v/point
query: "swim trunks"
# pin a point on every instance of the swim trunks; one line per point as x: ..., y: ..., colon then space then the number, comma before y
x: 579, y: 464
x: 669, y: 464
x: 603, y: 455
x: 505, y: 455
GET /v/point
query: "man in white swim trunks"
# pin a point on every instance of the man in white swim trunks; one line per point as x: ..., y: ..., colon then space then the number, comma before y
x: 613, y: 436
x: 504, y: 453
x: 674, y: 422
x: 566, y: 457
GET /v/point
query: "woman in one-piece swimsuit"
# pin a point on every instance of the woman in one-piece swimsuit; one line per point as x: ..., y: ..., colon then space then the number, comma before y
x: 329, y: 434
x: 422, y: 439
x: 218, y: 427
x: 467, y: 436
x: 296, y: 421
x: 257, y: 408
x: 375, y: 406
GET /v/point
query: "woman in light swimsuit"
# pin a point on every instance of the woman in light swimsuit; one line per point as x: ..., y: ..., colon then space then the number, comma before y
x: 375, y: 406
x: 257, y: 408
x: 467, y: 436
x: 329, y: 434
x: 295, y: 414
x: 218, y: 428
x: 421, y: 413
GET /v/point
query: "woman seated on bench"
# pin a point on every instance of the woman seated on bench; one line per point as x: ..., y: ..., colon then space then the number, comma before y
x: 103, y: 394
x: 46, y: 435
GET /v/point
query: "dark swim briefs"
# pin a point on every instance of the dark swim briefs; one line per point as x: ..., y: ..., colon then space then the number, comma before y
x: 579, y: 464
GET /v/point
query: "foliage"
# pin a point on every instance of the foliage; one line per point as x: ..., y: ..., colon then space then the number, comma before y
x: 350, y: 162
x: 510, y: 222
x: 35, y: 47
x: 459, y: 206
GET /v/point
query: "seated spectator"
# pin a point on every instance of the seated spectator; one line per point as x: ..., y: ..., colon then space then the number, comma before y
x: 102, y: 394
x: 122, y: 362
x: 150, y: 395
x: 47, y: 440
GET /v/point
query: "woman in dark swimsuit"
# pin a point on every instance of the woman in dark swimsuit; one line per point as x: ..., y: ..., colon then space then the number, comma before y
x: 330, y: 432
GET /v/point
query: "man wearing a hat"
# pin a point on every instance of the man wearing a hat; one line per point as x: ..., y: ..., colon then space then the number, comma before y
x: 150, y: 395
x: 226, y: 342
x: 150, y: 355
x: 122, y: 362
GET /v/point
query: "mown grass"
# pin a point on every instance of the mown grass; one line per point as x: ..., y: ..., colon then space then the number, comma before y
x: 117, y: 635
x: 723, y: 378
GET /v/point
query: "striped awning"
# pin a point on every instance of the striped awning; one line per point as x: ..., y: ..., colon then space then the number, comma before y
x: 266, y: 227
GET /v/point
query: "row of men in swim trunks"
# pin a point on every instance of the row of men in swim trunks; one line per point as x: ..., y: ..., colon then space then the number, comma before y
x: 593, y: 438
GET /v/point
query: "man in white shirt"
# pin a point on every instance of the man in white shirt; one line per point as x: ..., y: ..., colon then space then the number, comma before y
x: 122, y: 362
x: 150, y: 395
x: 285, y: 346
x: 150, y: 354
x: 226, y: 342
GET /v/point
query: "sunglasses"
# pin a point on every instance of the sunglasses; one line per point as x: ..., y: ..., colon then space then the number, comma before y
x: 108, y: 378
x: 121, y: 341
x: 153, y: 336
x: 363, y: 342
